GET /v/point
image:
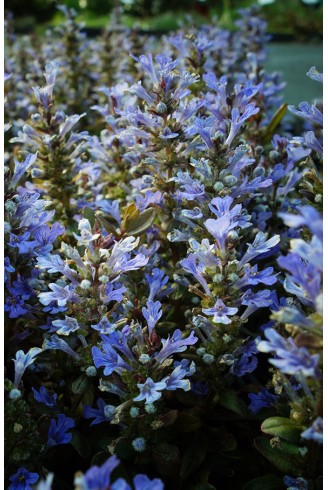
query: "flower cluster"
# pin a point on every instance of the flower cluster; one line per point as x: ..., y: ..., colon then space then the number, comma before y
x: 163, y: 263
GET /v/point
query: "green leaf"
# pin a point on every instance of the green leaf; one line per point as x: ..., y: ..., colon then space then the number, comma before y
x: 281, y: 427
x: 136, y: 224
x: 194, y: 455
x: 80, y: 385
x: 231, y: 401
x: 267, y: 482
x: 89, y: 214
x: 284, y: 455
x: 274, y: 123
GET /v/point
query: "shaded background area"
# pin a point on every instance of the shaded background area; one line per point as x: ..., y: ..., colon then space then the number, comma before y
x: 296, y: 27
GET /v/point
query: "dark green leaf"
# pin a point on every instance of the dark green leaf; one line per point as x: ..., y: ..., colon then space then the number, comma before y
x: 231, y: 401
x: 137, y: 224
x: 266, y: 482
x: 194, y: 455
x: 80, y: 385
x: 167, y: 458
x: 106, y: 224
x: 284, y: 455
x: 81, y: 444
x: 187, y: 422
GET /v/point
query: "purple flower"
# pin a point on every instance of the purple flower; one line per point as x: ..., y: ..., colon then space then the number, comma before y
x: 152, y: 313
x: 23, y: 479
x: 150, y: 391
x: 104, y: 413
x: 167, y: 134
x: 315, y: 432
x: 261, y: 399
x: 58, y: 430
x: 221, y: 312
x: 43, y: 396
x: 290, y: 358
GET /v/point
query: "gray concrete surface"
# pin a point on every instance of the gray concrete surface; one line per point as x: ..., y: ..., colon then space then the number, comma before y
x: 294, y: 60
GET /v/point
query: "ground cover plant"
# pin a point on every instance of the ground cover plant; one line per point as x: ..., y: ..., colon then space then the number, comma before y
x: 163, y: 264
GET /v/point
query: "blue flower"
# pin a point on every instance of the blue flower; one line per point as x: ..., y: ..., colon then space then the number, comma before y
x: 109, y: 359
x: 152, y: 313
x: 261, y: 399
x: 66, y: 326
x: 57, y: 433
x: 22, y: 361
x: 290, y: 358
x: 142, y: 482
x: 56, y: 342
x: 175, y: 380
x: 43, y: 396
x: 150, y: 391
x: 259, y: 247
x: 253, y: 277
x: 104, y: 326
x: 295, y: 483
x: 315, y: 432
x: 98, y: 477
x: 254, y: 301
x: 174, y: 345
x: 104, y: 413
x: 21, y: 167
x: 221, y: 312
x: 156, y: 281
x: 60, y: 294
x: 196, y: 269
x: 308, y: 112
x: 23, y: 479
x: 315, y: 75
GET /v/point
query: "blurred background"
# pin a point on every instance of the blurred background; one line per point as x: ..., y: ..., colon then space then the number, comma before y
x: 296, y: 27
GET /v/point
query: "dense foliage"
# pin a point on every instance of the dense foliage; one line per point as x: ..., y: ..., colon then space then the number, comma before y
x: 163, y: 264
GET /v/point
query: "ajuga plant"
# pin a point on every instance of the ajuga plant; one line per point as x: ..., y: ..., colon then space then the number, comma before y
x: 163, y: 266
